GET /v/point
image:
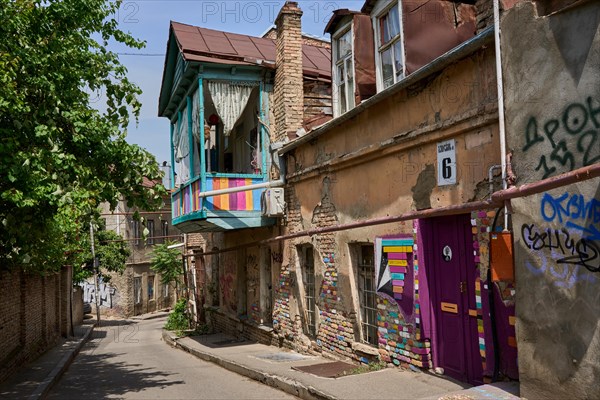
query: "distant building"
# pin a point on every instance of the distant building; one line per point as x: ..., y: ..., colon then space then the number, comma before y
x: 138, y: 290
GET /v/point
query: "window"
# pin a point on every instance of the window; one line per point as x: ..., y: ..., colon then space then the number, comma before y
x: 137, y: 289
x: 308, y: 277
x: 391, y: 65
x: 136, y: 232
x: 344, y: 72
x: 151, y: 287
x: 366, y: 293
x: 164, y: 231
x: 150, y: 227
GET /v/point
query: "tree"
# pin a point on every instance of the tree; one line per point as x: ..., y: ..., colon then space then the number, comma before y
x: 112, y: 253
x: 59, y: 156
x: 168, y: 263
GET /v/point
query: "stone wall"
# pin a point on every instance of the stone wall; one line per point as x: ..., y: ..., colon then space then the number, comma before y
x: 553, y: 124
x: 35, y: 311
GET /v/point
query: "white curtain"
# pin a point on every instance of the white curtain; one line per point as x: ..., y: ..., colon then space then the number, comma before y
x: 182, y: 149
x: 230, y: 99
x: 196, y: 132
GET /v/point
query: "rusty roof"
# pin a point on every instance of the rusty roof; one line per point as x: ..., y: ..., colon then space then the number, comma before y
x: 208, y: 45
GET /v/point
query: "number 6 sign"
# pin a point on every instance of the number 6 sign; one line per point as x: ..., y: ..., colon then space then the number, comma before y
x: 446, y: 159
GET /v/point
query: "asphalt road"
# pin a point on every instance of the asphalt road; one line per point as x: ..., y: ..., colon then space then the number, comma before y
x: 128, y: 360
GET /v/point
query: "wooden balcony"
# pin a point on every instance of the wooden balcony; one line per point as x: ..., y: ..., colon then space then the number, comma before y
x: 240, y: 210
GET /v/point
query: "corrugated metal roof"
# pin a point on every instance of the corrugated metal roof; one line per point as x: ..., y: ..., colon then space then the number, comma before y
x: 208, y: 45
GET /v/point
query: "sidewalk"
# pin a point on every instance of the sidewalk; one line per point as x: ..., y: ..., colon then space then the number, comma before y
x: 273, y: 366
x: 35, y: 380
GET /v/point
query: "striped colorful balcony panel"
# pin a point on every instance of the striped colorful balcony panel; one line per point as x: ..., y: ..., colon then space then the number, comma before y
x: 240, y: 201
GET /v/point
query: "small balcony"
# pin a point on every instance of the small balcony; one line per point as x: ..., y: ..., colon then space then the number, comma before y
x: 192, y: 213
x: 219, y: 140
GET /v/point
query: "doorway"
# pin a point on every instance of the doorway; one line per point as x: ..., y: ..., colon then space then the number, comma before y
x: 452, y: 275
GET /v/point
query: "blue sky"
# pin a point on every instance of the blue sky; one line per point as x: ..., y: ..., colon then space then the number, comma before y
x: 149, y: 20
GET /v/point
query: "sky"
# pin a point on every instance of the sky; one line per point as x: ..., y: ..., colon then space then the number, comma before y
x: 148, y: 20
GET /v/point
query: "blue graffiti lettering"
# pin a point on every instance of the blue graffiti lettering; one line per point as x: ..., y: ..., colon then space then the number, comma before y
x: 571, y: 207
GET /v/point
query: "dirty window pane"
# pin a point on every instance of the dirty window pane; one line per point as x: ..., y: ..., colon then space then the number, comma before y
x: 366, y: 292
x: 387, y: 68
x: 398, y: 59
x: 344, y: 46
x: 389, y: 25
x: 342, y: 91
x: 350, y: 83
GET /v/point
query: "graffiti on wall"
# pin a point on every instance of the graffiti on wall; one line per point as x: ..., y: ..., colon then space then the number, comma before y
x: 573, y: 137
x: 227, y: 284
x: 571, y: 245
x: 105, y: 296
x: 394, y: 272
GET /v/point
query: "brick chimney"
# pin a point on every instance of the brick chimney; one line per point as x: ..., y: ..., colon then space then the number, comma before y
x: 289, y: 92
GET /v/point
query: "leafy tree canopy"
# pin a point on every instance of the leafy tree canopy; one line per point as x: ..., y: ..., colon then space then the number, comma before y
x: 112, y: 253
x: 168, y: 263
x: 59, y: 156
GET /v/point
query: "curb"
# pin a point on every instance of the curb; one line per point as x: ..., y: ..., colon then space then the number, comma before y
x: 151, y: 316
x: 288, y: 385
x: 44, y: 387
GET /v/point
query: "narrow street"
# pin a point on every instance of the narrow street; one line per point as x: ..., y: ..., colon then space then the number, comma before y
x: 127, y: 359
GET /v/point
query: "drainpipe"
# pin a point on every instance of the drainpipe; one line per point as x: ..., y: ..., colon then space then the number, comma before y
x: 501, y: 127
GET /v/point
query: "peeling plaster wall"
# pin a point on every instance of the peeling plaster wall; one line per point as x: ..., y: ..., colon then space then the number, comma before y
x: 383, y: 162
x: 553, y: 123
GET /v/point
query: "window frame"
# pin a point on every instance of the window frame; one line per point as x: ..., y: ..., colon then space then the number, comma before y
x: 367, y: 326
x: 151, y: 227
x: 350, y: 101
x: 381, y: 9
x: 311, y: 310
x: 136, y: 232
x: 164, y: 231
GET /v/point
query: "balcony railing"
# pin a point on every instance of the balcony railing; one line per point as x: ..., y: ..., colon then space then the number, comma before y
x: 222, y: 212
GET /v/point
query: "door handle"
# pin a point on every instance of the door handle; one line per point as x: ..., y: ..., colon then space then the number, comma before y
x: 462, y: 286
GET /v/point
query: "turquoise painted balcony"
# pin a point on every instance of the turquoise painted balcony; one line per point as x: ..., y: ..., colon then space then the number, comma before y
x: 192, y: 213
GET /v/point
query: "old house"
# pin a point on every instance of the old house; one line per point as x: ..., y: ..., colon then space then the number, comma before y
x: 393, y: 242
x: 229, y: 98
x: 138, y: 289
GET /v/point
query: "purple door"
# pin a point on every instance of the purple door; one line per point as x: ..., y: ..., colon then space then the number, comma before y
x: 453, y: 298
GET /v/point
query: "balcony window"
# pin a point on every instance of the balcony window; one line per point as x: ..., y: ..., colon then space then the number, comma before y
x: 390, y: 52
x: 344, y: 72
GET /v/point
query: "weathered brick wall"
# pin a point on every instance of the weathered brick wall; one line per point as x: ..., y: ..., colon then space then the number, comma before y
x: 317, y: 99
x: 288, y: 76
x: 234, y: 327
x: 30, y: 316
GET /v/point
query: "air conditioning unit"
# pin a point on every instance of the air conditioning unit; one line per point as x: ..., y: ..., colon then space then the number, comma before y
x: 273, y: 203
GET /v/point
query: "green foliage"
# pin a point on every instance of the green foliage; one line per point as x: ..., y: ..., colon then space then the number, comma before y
x: 168, y: 263
x: 178, y: 320
x: 59, y: 156
x: 112, y: 253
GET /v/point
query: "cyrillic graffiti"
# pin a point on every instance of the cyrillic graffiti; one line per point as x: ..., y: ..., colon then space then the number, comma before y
x: 580, y: 121
x: 563, y: 245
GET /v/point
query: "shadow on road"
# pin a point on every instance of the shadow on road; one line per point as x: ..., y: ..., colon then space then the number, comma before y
x: 102, y: 375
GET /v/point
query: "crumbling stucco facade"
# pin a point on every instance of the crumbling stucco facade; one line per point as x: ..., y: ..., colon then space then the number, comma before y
x: 553, y: 124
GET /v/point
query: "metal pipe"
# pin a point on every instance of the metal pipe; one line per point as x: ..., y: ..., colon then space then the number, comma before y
x: 568, y: 178
x: 500, y: 83
x: 210, y: 193
x: 497, y: 200
x: 277, y: 183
